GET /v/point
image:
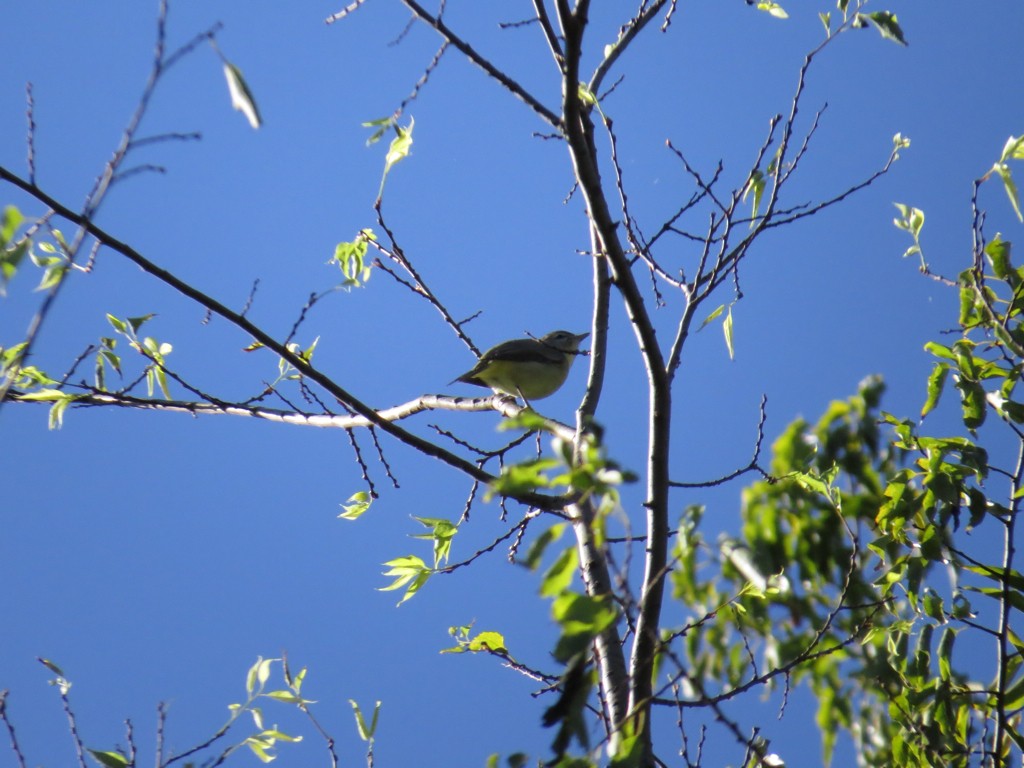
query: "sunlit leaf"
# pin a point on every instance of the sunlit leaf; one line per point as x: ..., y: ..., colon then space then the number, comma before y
x: 773, y: 9
x: 356, y: 505
x: 727, y: 330
x: 241, y: 97
x: 109, y: 759
x: 885, y: 22
x: 365, y: 731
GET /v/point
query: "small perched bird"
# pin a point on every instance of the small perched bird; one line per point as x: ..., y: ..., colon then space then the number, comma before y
x: 527, y: 368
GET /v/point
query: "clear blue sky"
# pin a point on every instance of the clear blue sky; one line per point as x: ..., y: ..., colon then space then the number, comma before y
x: 155, y: 556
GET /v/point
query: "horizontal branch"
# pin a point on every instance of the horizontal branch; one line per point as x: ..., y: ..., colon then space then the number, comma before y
x: 502, y: 404
x: 420, y: 444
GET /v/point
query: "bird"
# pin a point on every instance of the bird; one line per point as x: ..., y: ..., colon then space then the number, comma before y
x: 528, y: 368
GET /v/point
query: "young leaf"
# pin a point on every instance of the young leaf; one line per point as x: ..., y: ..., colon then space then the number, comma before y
x: 399, y: 149
x: 241, y: 97
x: 755, y: 187
x: 357, y: 504
x: 719, y: 310
x: 1010, y: 186
x: 885, y: 22
x: 409, y: 572
x: 109, y: 759
x: 381, y: 125
x: 488, y: 641
x: 559, y: 576
x: 365, y: 732
x: 936, y: 381
x: 773, y: 9
x: 727, y: 330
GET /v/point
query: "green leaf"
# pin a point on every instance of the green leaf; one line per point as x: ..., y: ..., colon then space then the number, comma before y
x: 272, y: 735
x: 259, y: 748
x: 538, y: 547
x: 365, y: 731
x: 356, y: 505
x: 56, y: 416
x: 381, y: 124
x: 910, y: 219
x: 718, y: 311
x: 885, y: 22
x: 258, y: 672
x: 409, y: 572
x: 441, y: 533
x: 241, y: 97
x: 43, y: 395
x: 400, y: 145
x: 136, y: 322
x: 773, y: 9
x: 10, y: 221
x: 936, y: 381
x: 755, y: 187
x: 1013, y: 149
x: 52, y: 276
x: 560, y: 575
x: 1011, y: 188
x: 972, y: 400
x: 998, y: 252
x: 351, y: 258
x: 488, y: 642
x: 399, y: 149
x: 727, y: 330
x: 581, y: 618
x: 287, y: 697
x: 109, y: 759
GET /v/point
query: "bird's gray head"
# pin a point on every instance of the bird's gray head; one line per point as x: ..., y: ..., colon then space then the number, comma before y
x: 564, y: 341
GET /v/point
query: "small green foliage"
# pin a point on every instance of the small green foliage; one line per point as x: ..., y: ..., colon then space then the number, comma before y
x: 366, y: 732
x: 755, y: 188
x: 910, y: 220
x: 481, y: 642
x: 773, y: 9
x: 541, y: 543
x: 561, y: 573
x: 106, y: 356
x: 155, y: 351
x: 399, y: 148
x: 586, y: 95
x: 885, y: 22
x: 581, y: 618
x: 12, y: 249
x: 53, y: 261
x: 1012, y: 150
x: 727, y: 326
x: 441, y: 533
x: 351, y: 259
x: 264, y: 741
x: 356, y: 505
x: 288, y: 372
x: 409, y: 572
x: 380, y: 126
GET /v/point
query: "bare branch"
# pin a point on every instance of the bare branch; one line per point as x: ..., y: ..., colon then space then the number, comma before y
x: 467, y: 50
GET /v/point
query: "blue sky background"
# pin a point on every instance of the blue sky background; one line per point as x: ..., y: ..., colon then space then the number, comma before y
x: 155, y: 556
